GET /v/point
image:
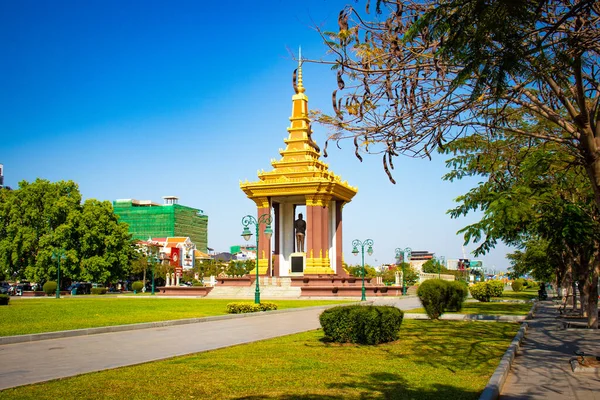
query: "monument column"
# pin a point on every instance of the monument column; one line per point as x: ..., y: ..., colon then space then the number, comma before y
x: 339, y: 266
x: 264, y: 245
x: 277, y: 247
x: 317, y: 233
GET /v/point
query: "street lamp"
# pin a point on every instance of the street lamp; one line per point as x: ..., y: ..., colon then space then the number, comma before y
x: 246, y: 234
x: 355, y: 244
x: 58, y: 255
x: 401, y: 256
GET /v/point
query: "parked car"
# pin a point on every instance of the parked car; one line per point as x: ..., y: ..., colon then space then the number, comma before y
x: 80, y: 288
x: 4, y: 287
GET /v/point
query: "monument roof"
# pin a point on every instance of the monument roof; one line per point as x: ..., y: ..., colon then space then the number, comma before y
x: 300, y: 171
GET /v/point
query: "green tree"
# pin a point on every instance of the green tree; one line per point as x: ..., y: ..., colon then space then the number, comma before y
x: 40, y: 218
x: 105, y: 247
x: 35, y: 221
x: 356, y: 270
x: 411, y: 276
x: 534, y: 191
x: 433, y: 266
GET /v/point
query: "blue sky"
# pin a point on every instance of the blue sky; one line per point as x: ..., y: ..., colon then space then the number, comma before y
x: 142, y: 99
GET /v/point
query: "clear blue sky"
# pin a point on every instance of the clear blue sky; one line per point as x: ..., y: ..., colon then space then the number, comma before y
x: 142, y: 99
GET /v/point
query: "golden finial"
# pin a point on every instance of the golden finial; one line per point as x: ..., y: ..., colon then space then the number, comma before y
x: 300, y: 86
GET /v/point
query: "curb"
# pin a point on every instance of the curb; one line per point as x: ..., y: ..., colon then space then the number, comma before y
x: 471, y: 317
x: 144, y: 325
x: 496, y: 382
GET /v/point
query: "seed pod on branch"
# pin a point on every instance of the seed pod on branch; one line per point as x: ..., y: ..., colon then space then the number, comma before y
x: 387, y: 171
x: 356, y: 147
x: 340, y: 81
x: 294, y: 80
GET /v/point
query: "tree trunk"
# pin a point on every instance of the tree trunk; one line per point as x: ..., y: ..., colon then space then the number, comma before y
x: 591, y: 289
x: 582, y: 297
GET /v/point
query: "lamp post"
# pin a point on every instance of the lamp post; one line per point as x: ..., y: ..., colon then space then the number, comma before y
x: 355, y: 244
x: 58, y: 255
x: 246, y: 234
x: 401, y: 256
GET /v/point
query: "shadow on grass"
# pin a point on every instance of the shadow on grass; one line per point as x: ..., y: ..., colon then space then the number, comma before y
x: 496, y: 308
x: 454, y: 346
x: 381, y: 385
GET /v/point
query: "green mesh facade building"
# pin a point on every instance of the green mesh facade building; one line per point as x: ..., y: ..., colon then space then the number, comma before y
x: 147, y: 219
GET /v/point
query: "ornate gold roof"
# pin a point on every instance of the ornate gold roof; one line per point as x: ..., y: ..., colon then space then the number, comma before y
x: 299, y: 172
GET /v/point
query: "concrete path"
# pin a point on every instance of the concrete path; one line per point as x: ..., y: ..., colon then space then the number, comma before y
x: 541, y: 369
x: 32, y: 362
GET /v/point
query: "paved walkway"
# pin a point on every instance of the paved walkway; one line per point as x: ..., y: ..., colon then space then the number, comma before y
x: 32, y: 362
x: 541, y: 369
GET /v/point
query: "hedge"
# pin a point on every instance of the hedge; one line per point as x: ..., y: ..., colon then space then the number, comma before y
x: 49, y: 287
x: 433, y: 294
x: 496, y: 288
x: 480, y: 291
x: 245, y: 307
x: 362, y: 324
x: 137, y: 286
x: 457, y: 293
x: 4, y: 299
x: 517, y: 285
x: 99, y: 290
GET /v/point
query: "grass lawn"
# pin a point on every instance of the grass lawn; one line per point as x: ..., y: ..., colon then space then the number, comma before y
x: 432, y: 360
x: 23, y: 316
x: 526, y: 294
x: 487, y: 308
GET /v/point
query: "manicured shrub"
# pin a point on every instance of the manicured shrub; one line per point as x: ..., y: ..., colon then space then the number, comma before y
x: 532, y: 285
x: 197, y: 284
x: 99, y: 290
x: 246, y: 307
x: 362, y: 324
x: 4, y: 299
x: 267, y: 306
x: 49, y: 287
x: 433, y: 294
x: 517, y: 285
x: 137, y: 286
x: 481, y: 291
x: 457, y: 293
x: 496, y: 288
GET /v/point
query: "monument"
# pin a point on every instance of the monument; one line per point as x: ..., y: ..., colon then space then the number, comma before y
x: 300, y: 178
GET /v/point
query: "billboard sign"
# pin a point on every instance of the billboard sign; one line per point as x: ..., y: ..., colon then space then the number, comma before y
x: 175, y: 257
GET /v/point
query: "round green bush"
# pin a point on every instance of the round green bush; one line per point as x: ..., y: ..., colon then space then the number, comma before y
x: 517, y: 285
x: 433, y: 294
x: 49, y: 288
x: 99, y: 290
x: 137, y: 286
x: 197, y: 284
x: 496, y: 288
x: 4, y: 299
x: 362, y: 324
x: 481, y: 291
x: 457, y: 293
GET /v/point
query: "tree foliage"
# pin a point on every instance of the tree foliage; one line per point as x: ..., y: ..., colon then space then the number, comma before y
x: 418, y: 74
x: 41, y: 219
x: 433, y: 266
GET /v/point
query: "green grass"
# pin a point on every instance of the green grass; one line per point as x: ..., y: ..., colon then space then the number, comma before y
x: 432, y: 360
x: 24, y: 316
x: 526, y: 294
x: 492, y: 308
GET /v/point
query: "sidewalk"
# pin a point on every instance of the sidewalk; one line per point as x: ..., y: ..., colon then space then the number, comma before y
x: 541, y: 368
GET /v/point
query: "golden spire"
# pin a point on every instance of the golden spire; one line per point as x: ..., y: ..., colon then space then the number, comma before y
x: 300, y: 86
